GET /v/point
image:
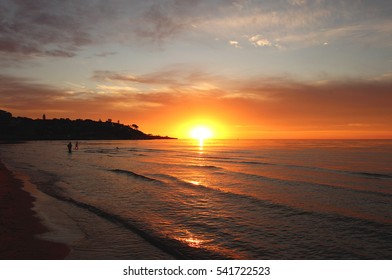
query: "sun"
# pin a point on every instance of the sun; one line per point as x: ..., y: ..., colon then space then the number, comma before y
x: 202, y: 129
x: 201, y: 133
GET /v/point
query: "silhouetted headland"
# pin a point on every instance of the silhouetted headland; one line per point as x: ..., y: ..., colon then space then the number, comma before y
x: 21, y: 128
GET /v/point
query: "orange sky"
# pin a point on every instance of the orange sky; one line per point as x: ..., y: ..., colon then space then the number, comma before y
x: 246, y: 69
x: 274, y: 108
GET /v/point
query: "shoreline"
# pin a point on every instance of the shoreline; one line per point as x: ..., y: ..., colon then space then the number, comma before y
x: 19, y: 225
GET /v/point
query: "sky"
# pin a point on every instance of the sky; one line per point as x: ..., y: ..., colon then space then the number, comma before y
x: 242, y: 68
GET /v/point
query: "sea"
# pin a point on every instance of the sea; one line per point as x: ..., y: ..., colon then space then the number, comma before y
x: 216, y: 199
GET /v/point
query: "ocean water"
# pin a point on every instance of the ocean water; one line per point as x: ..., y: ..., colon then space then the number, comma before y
x: 225, y: 199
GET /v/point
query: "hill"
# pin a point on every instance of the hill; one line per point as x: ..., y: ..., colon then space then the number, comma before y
x: 20, y: 128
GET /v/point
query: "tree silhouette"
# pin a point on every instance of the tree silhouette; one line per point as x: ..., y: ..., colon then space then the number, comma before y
x: 20, y: 128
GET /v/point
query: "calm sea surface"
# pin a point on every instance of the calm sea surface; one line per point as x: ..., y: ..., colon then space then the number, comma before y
x: 242, y: 199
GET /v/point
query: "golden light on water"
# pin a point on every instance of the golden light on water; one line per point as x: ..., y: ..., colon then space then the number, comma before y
x: 193, y: 242
x: 200, y: 242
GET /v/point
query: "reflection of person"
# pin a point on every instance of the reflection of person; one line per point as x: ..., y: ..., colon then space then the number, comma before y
x: 69, y: 147
x: 76, y: 145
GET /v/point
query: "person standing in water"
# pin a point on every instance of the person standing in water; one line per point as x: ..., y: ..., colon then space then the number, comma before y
x: 69, y: 147
x: 76, y: 145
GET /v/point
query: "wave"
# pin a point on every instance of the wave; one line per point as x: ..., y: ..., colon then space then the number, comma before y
x: 170, y: 246
x: 181, y: 250
x: 254, y: 200
x: 372, y: 175
x: 133, y: 174
x: 294, y: 183
x: 356, y: 173
x: 147, y: 150
x: 249, y: 199
x: 173, y: 181
x: 204, y: 166
x: 313, y: 168
x: 256, y: 163
x: 245, y: 199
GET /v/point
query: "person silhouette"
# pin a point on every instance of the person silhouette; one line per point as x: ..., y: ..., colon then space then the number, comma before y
x: 69, y: 147
x: 76, y: 145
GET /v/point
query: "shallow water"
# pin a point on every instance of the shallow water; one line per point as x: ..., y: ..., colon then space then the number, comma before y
x: 242, y: 199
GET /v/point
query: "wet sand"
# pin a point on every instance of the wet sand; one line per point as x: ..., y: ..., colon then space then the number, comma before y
x: 19, y: 225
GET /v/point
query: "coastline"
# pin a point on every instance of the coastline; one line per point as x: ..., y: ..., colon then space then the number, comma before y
x: 19, y: 224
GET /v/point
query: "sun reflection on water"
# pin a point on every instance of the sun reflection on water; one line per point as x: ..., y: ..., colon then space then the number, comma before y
x: 191, y: 240
x: 207, y: 244
x: 193, y: 182
x: 201, y: 144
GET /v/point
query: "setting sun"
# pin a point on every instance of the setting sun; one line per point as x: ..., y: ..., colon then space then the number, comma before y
x: 201, y: 133
x: 201, y: 128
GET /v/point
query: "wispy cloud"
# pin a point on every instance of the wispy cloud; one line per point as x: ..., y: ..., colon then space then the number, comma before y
x: 297, y: 2
x: 34, y: 99
x: 300, y: 24
x: 176, y: 77
x: 41, y: 28
x: 105, y: 54
x: 166, y: 19
x: 62, y: 29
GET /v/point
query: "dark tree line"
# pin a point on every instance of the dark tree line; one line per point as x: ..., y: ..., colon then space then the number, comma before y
x: 18, y: 128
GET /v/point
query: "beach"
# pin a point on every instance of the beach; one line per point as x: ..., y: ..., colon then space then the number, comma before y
x: 19, y: 226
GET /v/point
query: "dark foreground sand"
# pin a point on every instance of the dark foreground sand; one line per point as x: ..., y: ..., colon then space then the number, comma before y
x: 19, y: 226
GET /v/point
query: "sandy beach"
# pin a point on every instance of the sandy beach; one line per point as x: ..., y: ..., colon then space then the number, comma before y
x: 19, y: 225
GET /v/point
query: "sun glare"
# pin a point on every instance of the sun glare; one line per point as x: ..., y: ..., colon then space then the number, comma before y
x: 201, y: 129
x: 201, y: 133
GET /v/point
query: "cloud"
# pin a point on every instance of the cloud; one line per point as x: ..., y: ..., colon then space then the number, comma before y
x: 166, y: 19
x: 41, y: 28
x: 259, y: 41
x: 30, y: 29
x: 61, y: 29
x: 301, y: 24
x: 275, y: 103
x: 284, y: 103
x: 236, y: 44
x: 297, y: 2
x: 105, y: 54
x: 176, y: 77
x: 330, y: 103
x: 28, y: 98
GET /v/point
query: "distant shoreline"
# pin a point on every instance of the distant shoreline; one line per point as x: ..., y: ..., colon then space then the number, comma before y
x: 26, y: 129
